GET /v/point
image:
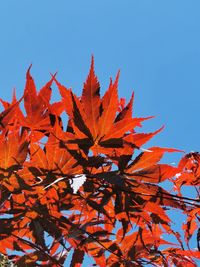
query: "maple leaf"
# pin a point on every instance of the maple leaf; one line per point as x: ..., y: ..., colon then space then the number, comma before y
x: 91, y: 100
x: 37, y: 105
x: 147, y: 159
x: 96, y: 121
x: 13, y: 153
x: 10, y: 114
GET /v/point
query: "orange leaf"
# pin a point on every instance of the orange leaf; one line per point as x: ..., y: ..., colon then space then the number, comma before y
x: 13, y: 150
x: 126, y: 112
x: 109, y: 108
x: 91, y: 100
x: 38, y: 156
x: 66, y: 97
x: 147, y: 159
x: 139, y: 139
x: 121, y: 127
x: 155, y: 173
x: 30, y: 94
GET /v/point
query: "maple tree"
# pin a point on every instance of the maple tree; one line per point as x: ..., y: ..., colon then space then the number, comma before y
x: 90, y: 189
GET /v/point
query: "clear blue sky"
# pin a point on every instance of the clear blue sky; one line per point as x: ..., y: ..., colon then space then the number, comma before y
x: 155, y: 44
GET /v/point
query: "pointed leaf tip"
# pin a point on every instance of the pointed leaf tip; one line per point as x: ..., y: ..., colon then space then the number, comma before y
x: 117, y: 78
x: 91, y: 100
x: 92, y: 71
x: 14, y: 98
x: 92, y: 62
x: 28, y: 75
x: 53, y: 76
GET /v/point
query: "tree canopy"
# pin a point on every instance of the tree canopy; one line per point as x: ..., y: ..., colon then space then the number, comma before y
x: 90, y: 189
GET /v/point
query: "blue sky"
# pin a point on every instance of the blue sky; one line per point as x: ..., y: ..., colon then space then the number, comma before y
x: 155, y: 44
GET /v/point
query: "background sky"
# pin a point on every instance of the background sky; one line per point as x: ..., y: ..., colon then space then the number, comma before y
x: 155, y: 44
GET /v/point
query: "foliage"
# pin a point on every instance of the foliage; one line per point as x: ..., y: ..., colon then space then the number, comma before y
x: 90, y: 189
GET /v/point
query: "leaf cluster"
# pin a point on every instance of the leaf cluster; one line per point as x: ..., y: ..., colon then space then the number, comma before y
x: 90, y: 189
